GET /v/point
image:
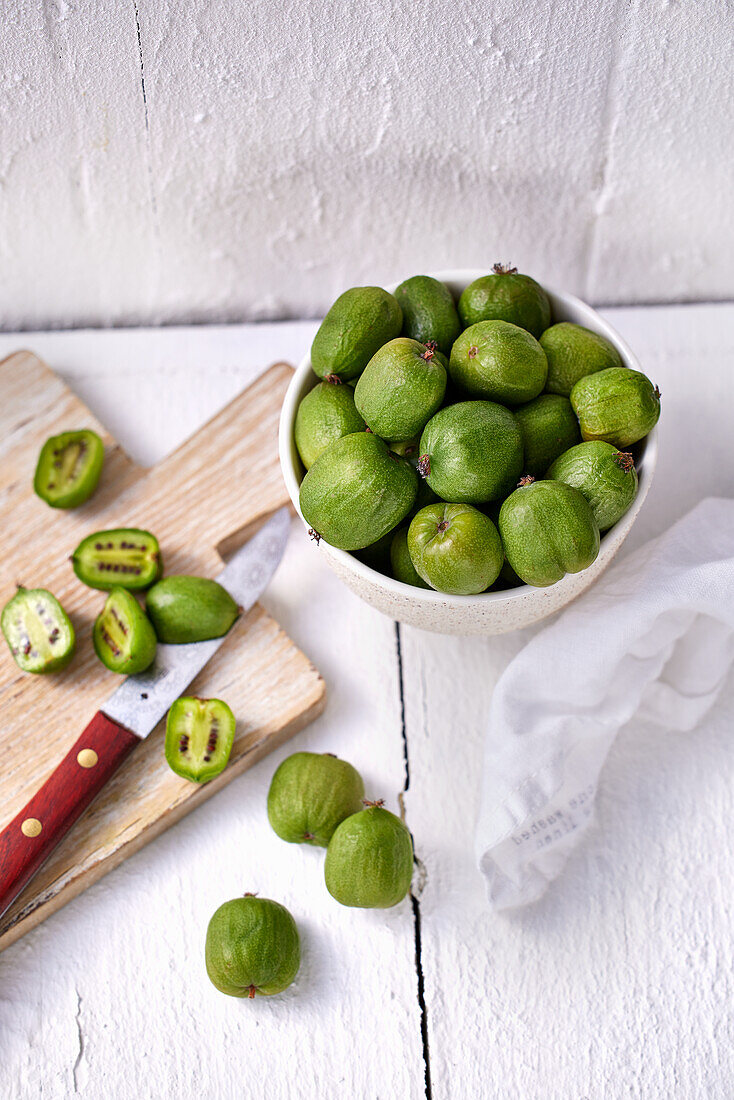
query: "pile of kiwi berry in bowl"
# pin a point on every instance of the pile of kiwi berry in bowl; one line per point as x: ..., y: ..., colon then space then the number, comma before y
x: 468, y: 449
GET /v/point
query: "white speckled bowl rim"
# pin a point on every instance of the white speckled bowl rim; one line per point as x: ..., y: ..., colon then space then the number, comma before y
x: 380, y: 589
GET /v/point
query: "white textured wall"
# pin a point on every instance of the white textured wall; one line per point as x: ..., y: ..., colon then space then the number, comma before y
x: 221, y: 160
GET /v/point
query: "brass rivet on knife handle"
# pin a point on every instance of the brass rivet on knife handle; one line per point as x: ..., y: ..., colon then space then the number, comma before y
x: 31, y: 827
x: 87, y: 758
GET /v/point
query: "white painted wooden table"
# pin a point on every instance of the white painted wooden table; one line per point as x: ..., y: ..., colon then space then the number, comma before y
x: 617, y: 984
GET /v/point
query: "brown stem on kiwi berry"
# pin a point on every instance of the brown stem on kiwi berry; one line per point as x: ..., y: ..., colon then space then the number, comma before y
x: 308, y: 836
x: 472, y: 353
x: 331, y: 754
x: 625, y: 461
x: 249, y: 894
x: 430, y: 351
x: 527, y: 479
x: 657, y: 392
x: 424, y: 465
x: 368, y: 430
x: 443, y: 526
x: 504, y: 269
x: 377, y: 802
x: 333, y: 379
x: 252, y: 990
x: 314, y: 535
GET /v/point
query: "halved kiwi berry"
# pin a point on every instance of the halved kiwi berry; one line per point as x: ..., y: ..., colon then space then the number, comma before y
x: 125, y: 557
x: 68, y: 468
x: 38, y: 631
x: 199, y: 737
x: 124, y: 639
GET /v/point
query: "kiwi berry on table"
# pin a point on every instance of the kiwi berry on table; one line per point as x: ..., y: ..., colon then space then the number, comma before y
x: 476, y: 444
x: 318, y: 799
x: 252, y: 944
x: 252, y: 947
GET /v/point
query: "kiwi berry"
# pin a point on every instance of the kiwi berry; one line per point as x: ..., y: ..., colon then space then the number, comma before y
x: 199, y: 737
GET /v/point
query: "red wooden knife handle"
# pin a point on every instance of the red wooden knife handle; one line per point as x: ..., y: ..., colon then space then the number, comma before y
x: 33, y: 834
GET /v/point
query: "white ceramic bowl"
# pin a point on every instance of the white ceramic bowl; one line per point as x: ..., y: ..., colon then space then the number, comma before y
x: 490, y: 612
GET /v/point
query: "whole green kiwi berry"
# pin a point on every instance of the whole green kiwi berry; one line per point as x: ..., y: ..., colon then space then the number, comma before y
x: 549, y: 427
x: 471, y: 452
x: 606, y: 476
x: 548, y: 529
x: 400, y: 389
x: 325, y: 414
x: 252, y: 947
x: 190, y: 609
x: 573, y: 352
x: 618, y: 405
x: 429, y: 312
x: 310, y: 794
x: 356, y: 491
x: 506, y: 295
x: 369, y: 861
x: 499, y: 362
x: 359, y: 322
x: 455, y: 548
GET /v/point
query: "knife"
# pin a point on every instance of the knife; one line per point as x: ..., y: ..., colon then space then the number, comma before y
x: 126, y: 719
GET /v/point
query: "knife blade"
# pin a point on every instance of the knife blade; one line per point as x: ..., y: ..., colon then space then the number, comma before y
x: 128, y: 716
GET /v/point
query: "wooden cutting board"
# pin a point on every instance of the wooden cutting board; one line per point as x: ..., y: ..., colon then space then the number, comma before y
x: 201, y: 501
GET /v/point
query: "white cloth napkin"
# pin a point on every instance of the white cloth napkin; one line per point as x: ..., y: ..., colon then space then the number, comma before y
x: 653, y: 638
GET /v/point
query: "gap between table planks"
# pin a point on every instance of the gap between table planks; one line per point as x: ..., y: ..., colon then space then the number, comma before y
x: 204, y: 498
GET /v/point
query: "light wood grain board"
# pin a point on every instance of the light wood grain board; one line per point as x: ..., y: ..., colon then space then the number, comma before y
x: 202, y: 499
